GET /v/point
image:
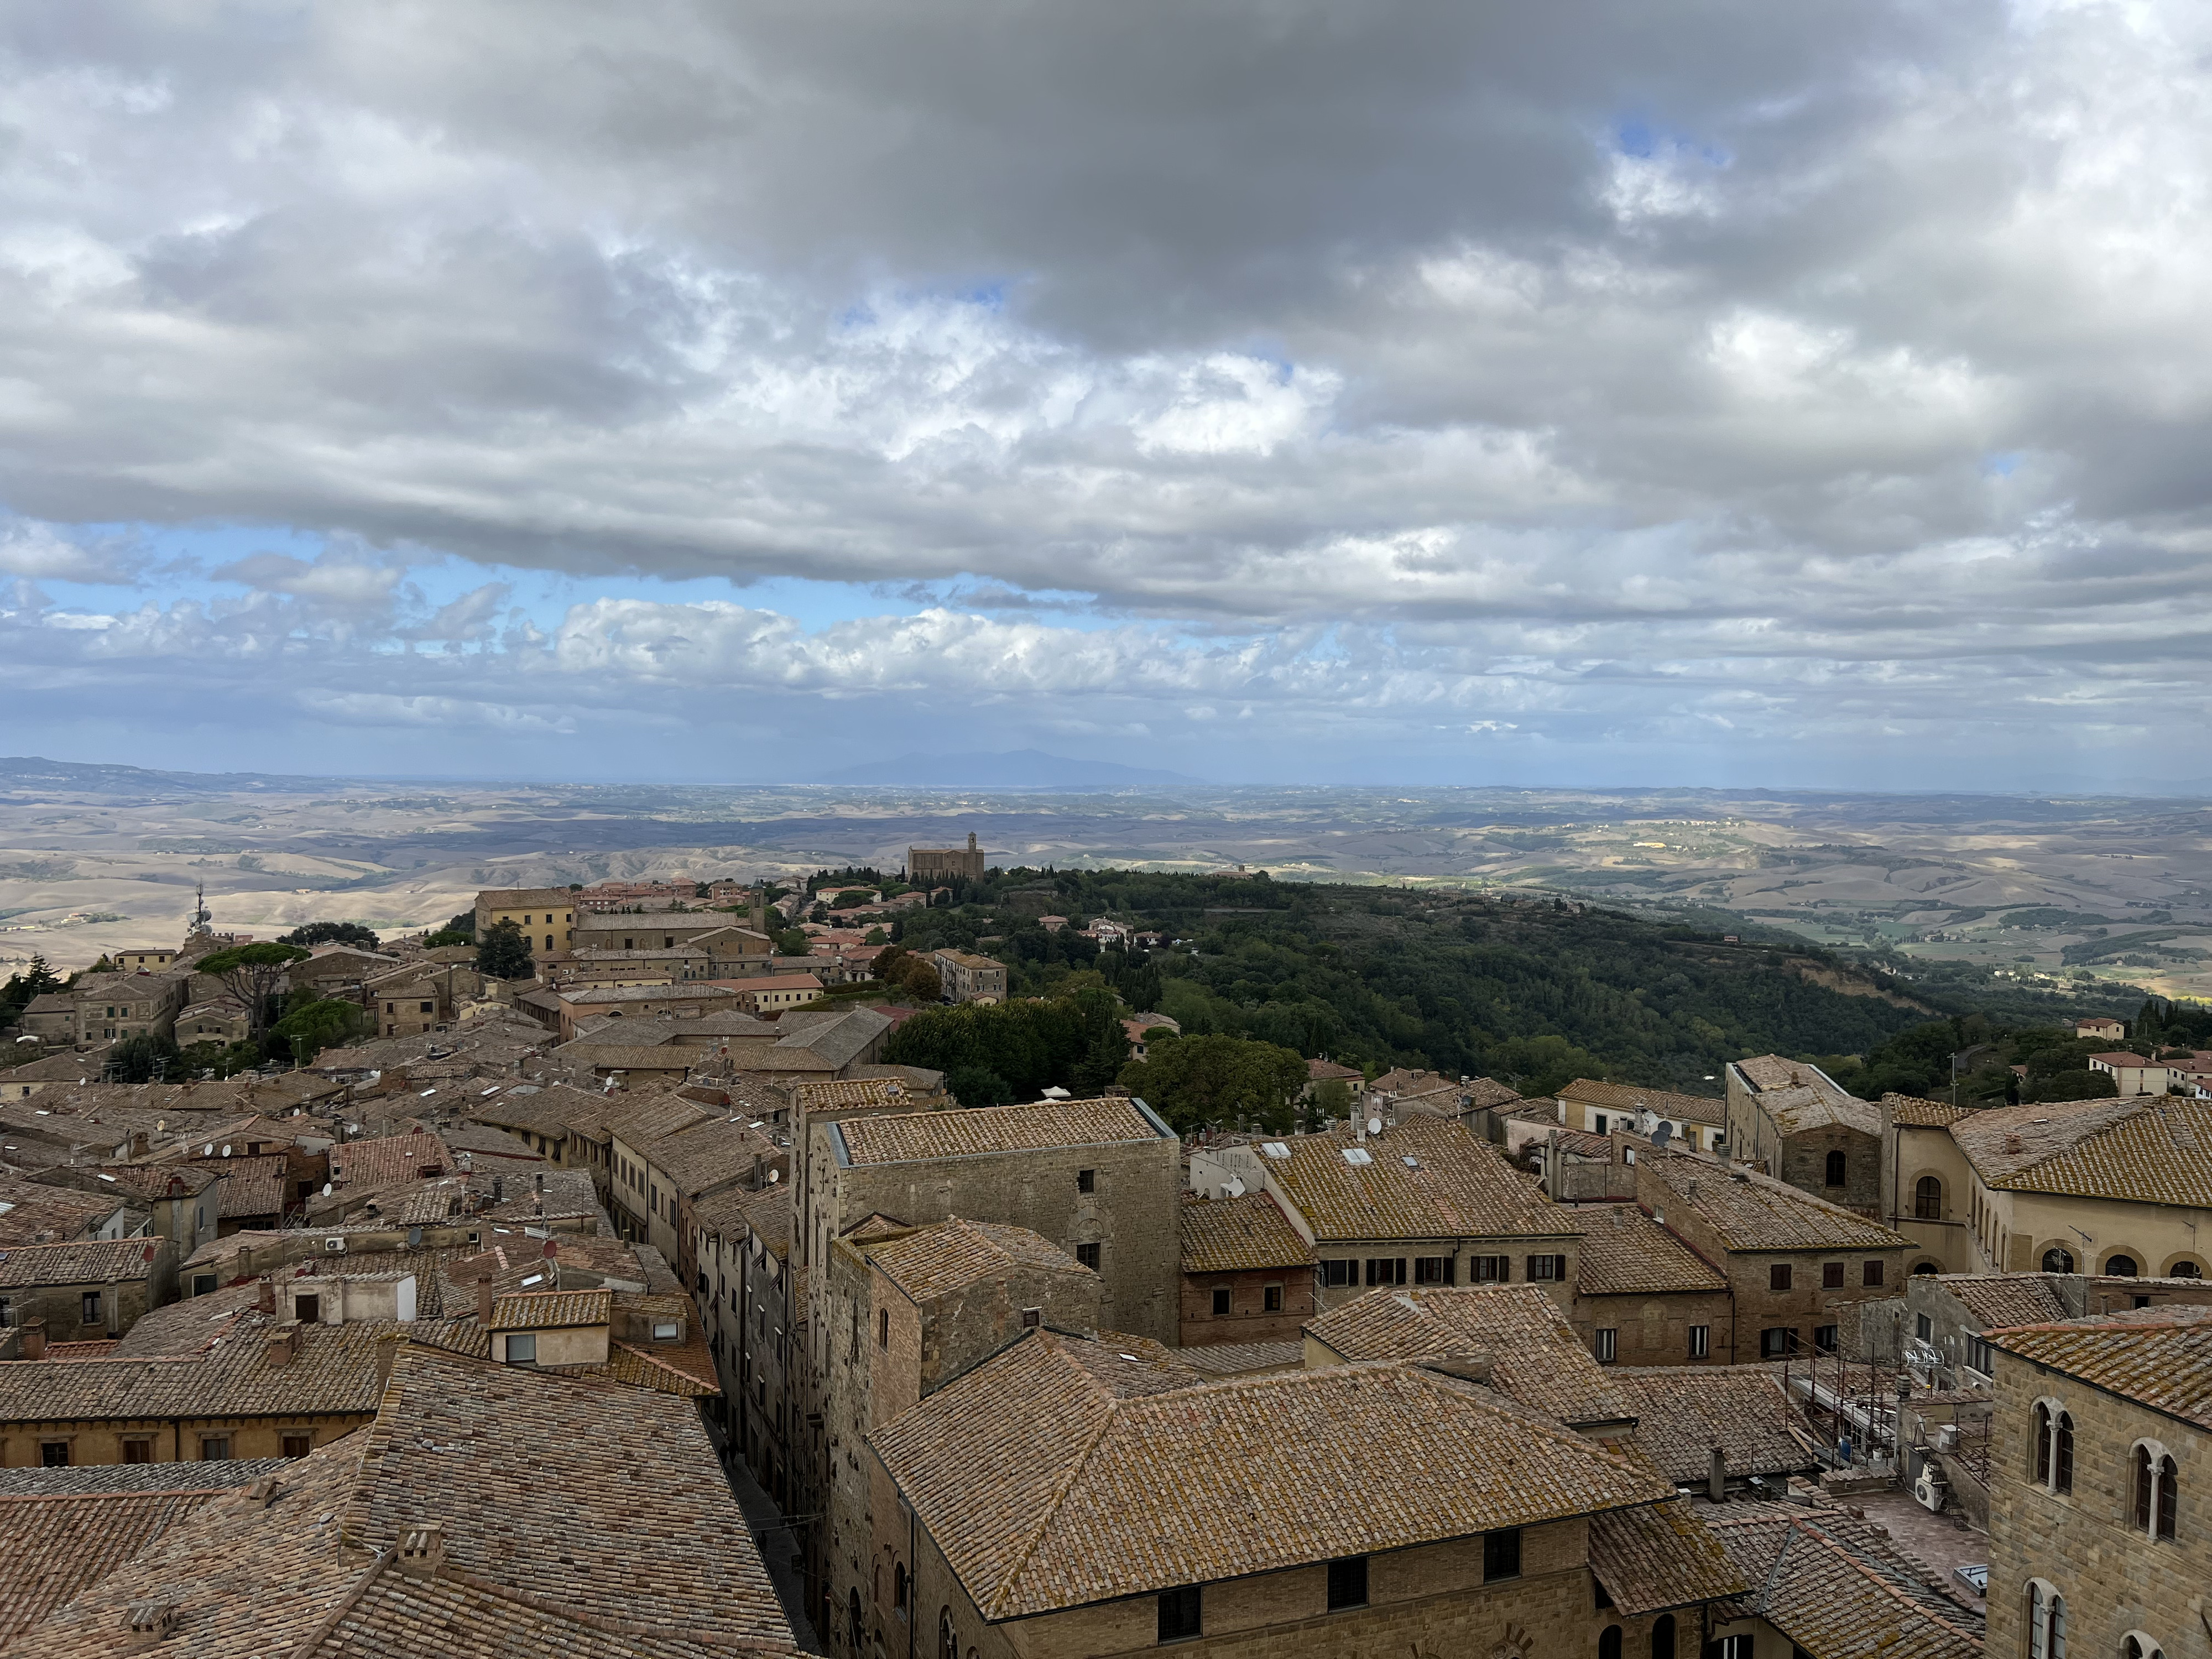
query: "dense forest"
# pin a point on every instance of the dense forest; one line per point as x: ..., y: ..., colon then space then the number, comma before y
x: 1532, y: 992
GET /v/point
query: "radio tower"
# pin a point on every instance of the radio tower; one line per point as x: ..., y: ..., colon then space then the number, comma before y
x: 200, y: 917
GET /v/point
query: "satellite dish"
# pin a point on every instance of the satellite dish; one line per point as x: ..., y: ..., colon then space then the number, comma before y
x: 1373, y: 1126
x: 326, y: 1189
x: 1663, y: 1134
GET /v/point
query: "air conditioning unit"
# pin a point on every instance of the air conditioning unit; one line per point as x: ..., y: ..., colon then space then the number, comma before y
x: 1929, y: 1491
x: 334, y: 1246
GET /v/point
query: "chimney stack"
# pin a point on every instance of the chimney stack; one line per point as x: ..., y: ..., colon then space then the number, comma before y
x: 1716, y: 1477
x: 483, y: 1300
x: 145, y: 1623
x: 34, y: 1339
x: 422, y: 1551
x: 264, y: 1299
x: 284, y: 1344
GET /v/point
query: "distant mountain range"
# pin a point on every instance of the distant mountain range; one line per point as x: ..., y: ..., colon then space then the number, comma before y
x: 32, y: 772
x: 1016, y: 769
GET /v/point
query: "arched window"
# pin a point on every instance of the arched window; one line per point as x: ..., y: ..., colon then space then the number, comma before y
x: 948, y: 1642
x: 898, y: 1586
x: 2046, y: 1621
x: 2061, y: 1473
x: 2039, y: 1470
x: 853, y: 1618
x: 2158, y: 1493
x: 1608, y: 1644
x: 1836, y: 1168
x: 1926, y: 1270
x: 2121, y: 1267
x: 2140, y: 1647
x: 1928, y: 1198
x: 2056, y: 1260
x: 1662, y: 1637
x: 2186, y: 1268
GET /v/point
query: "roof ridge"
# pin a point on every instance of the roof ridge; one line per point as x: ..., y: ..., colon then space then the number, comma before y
x: 1109, y: 1403
x: 1887, y: 1578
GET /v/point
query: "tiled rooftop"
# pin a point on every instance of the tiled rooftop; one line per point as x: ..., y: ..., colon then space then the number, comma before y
x: 1626, y: 1252
x: 1751, y: 1211
x: 1243, y: 1359
x: 1658, y: 1557
x: 1829, y: 1585
x: 87, y: 1261
x: 1629, y: 1098
x: 1683, y: 1411
x: 1799, y: 1095
x: 1047, y: 1488
x: 1426, y: 1178
x: 2143, y: 1150
x: 1238, y: 1235
x: 2160, y: 1358
x: 1912, y: 1111
x: 1998, y: 1299
x: 53, y: 1547
x: 913, y: 1136
x: 950, y: 1256
x: 370, y: 1164
x: 1534, y: 1356
x: 551, y: 1311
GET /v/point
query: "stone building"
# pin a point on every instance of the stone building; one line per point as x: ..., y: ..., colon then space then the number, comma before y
x: 1422, y: 1203
x: 1795, y: 1265
x: 108, y: 1008
x: 1644, y: 1297
x: 1600, y: 1108
x: 90, y: 1291
x: 1807, y: 1129
x: 967, y: 977
x: 1944, y: 1320
x: 742, y: 1247
x: 179, y: 1198
x: 1248, y: 1276
x: 1098, y: 1178
x: 1926, y: 1184
x: 1245, y: 1516
x: 934, y: 864
x: 545, y: 916
x: 2100, y: 1507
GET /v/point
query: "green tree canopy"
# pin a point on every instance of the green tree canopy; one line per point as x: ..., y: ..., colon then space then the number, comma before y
x: 253, y: 974
x: 793, y: 942
x: 1198, y: 1082
x: 317, y: 1023
x: 141, y: 1058
x: 503, y: 953
x: 331, y: 933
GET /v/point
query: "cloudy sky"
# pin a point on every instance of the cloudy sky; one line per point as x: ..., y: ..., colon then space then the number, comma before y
x: 1268, y: 391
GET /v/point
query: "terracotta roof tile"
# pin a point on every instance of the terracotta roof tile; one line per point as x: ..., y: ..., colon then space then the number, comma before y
x: 1751, y: 1211
x: 1829, y: 1585
x: 1243, y: 1359
x: 1236, y: 1235
x: 1683, y: 1411
x: 86, y: 1261
x: 54, y: 1546
x: 2143, y: 1150
x: 1533, y: 1353
x: 1456, y: 1186
x: 1660, y: 1557
x: 1046, y: 1489
x: 551, y: 1311
x: 972, y: 1133
x: 1799, y: 1095
x: 950, y: 1256
x: 1914, y: 1112
x: 368, y: 1163
x: 2160, y: 1358
x: 1998, y: 1299
x: 1626, y: 1252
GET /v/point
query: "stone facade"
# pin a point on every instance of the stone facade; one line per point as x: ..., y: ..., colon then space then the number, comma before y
x: 2083, y: 1545
x: 933, y: 864
x: 546, y: 915
x: 1655, y: 1330
x: 1263, y: 1304
x: 1803, y: 1142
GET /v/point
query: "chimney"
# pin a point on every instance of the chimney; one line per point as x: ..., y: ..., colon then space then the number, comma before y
x: 265, y: 1296
x: 483, y: 1298
x: 2011, y: 1144
x: 284, y: 1344
x: 34, y: 1339
x: 145, y: 1623
x: 262, y: 1493
x: 422, y: 1551
x: 1716, y: 1477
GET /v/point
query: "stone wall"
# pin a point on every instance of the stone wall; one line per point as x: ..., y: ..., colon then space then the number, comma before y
x: 1248, y: 1318
x: 1655, y: 1330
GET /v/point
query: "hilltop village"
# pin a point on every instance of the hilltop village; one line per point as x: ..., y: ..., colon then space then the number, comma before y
x: 607, y: 1275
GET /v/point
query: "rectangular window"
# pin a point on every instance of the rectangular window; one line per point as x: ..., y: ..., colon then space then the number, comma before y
x: 204, y: 1283
x: 1597, y: 1122
x: 1732, y: 1647
x: 1271, y: 1299
x: 1981, y: 1356
x: 1489, y: 1269
x: 1180, y: 1611
x: 1924, y: 1328
x: 1432, y: 1270
x: 1088, y: 1255
x: 522, y: 1348
x: 297, y: 1445
x: 1832, y: 1275
x: 1701, y: 1341
x: 138, y: 1451
x: 1827, y: 1339
x: 1546, y: 1267
x: 1086, y: 1181
x: 1871, y: 1274
x: 1777, y: 1276
x: 1777, y: 1342
x: 91, y: 1315
x: 1220, y: 1303
x: 1608, y: 1346
x: 1347, y: 1583
x: 54, y: 1455
x: 1501, y: 1555
x: 882, y: 1328
x: 1386, y: 1270
x: 215, y: 1449
x: 1337, y: 1272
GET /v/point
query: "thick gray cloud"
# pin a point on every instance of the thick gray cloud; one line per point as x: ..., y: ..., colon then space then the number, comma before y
x: 1423, y: 381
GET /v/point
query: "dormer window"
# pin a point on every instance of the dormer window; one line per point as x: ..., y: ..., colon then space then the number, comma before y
x: 667, y: 1330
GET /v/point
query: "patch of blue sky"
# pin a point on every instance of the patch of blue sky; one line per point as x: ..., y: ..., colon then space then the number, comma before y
x: 2002, y: 464
x: 1647, y: 140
